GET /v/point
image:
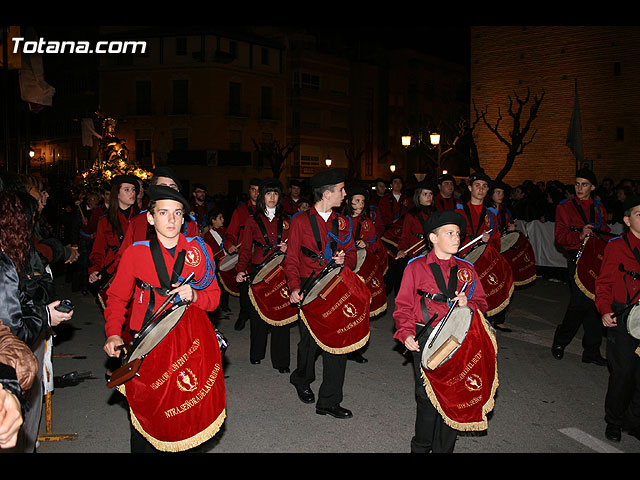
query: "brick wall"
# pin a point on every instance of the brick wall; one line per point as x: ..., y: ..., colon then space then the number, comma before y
x: 507, y: 60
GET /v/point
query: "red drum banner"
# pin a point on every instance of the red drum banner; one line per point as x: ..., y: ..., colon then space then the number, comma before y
x: 178, y: 401
x: 588, y: 265
x: 336, y: 311
x: 270, y: 297
x: 228, y: 281
x: 372, y: 274
x: 522, y: 260
x: 463, y: 388
x: 496, y: 279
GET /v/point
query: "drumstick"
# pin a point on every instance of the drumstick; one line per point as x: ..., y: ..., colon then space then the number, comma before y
x: 479, y: 237
x: 415, y: 245
x: 594, y: 230
x: 166, y: 302
x: 446, y: 317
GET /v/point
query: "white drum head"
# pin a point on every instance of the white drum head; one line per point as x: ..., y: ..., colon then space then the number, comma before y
x: 361, y: 256
x: 475, y: 253
x: 156, y: 332
x: 314, y: 292
x: 228, y: 262
x: 508, y: 240
x: 633, y: 322
x: 267, y: 269
x: 457, y: 326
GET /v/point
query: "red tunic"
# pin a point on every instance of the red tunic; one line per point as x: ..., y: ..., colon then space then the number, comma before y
x: 251, y: 250
x: 137, y: 264
x: 364, y: 229
x: 299, y: 265
x: 289, y: 205
x: 610, y: 284
x: 237, y: 223
x: 477, y: 226
x: 392, y: 209
x: 376, y: 217
x: 418, y: 276
x: 137, y: 231
x: 213, y: 243
x: 442, y: 203
x: 107, y: 243
x: 412, y: 232
x: 568, y: 216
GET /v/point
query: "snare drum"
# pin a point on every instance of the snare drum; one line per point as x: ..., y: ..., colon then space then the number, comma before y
x: 633, y: 322
x: 449, y: 338
x: 495, y: 274
x: 228, y: 262
x: 588, y: 263
x: 508, y: 240
x: 475, y: 253
x: 269, y: 293
x: 370, y: 270
x: 335, y: 308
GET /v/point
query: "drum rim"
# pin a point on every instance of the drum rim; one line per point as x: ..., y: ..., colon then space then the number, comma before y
x: 149, y: 328
x: 482, y: 246
x: 236, y: 256
x: 468, y: 311
x: 260, y: 267
x: 317, y: 280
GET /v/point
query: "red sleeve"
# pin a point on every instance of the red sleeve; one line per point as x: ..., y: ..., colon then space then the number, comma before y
x: 99, y: 249
x: 568, y: 239
x: 246, y: 248
x: 292, y: 260
x: 407, y: 310
x: 119, y: 294
x: 234, y: 227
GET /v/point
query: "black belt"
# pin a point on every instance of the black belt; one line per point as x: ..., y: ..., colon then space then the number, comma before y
x: 436, y: 297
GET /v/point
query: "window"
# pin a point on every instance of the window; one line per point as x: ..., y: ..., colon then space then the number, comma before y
x: 267, y: 102
x: 181, y: 46
x: 310, y: 81
x: 617, y: 69
x: 265, y: 56
x: 180, y: 139
x: 620, y: 134
x: 143, y: 97
x: 235, y: 104
x: 143, y: 152
x: 309, y: 161
x: 180, y: 96
x: 235, y: 140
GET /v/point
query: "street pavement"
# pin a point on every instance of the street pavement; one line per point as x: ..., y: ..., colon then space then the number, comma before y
x: 542, y: 405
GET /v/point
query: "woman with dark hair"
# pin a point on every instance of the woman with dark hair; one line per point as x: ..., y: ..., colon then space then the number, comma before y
x: 28, y: 319
x: 494, y: 201
x: 413, y: 227
x: 113, y: 226
x: 214, y: 237
x: 264, y: 234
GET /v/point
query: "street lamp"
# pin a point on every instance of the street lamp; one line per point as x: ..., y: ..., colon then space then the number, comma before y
x: 435, y: 140
x: 392, y: 167
x: 328, y: 161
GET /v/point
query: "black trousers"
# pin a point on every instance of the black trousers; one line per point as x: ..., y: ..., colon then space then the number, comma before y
x: 432, y: 434
x: 393, y: 278
x: 580, y: 311
x: 245, y: 301
x: 280, y: 341
x: 333, y: 369
x: 622, y: 401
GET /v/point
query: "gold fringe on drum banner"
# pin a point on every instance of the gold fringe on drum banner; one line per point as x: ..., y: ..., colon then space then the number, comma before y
x: 271, y: 321
x: 381, y: 308
x: 229, y: 290
x: 503, y: 305
x: 336, y: 351
x: 524, y: 282
x: 468, y: 363
x: 582, y: 288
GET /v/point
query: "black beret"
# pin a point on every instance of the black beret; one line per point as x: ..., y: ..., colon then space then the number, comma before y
x: 126, y: 178
x: 327, y: 177
x: 446, y: 176
x: 398, y: 177
x: 200, y: 186
x: 425, y: 185
x: 588, y: 174
x: 630, y: 202
x: 167, y: 172
x: 255, y: 181
x: 479, y: 176
x: 379, y: 180
x: 445, y: 217
x: 270, y: 184
x: 162, y: 192
x: 498, y: 184
x: 296, y: 183
x: 357, y: 190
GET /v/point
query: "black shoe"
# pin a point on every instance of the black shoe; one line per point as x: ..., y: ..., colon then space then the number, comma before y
x: 306, y: 395
x: 284, y: 370
x: 240, y: 323
x: 502, y: 328
x: 613, y: 432
x: 255, y: 362
x: 357, y: 357
x: 557, y: 351
x: 337, y: 411
x: 595, y: 360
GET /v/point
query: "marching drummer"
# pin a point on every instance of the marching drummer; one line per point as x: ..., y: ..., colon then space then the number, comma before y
x: 265, y: 232
x: 584, y: 214
x: 617, y: 288
x: 151, y: 270
x: 310, y: 249
x: 413, y: 228
x: 234, y: 237
x: 441, y: 275
x: 445, y: 199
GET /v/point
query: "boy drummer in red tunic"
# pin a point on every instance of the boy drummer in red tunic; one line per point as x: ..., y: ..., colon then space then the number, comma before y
x: 441, y: 275
x: 151, y: 270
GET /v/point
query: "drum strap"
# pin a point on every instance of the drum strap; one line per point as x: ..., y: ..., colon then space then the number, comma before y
x: 316, y: 233
x: 263, y: 229
x: 450, y: 289
x: 592, y: 212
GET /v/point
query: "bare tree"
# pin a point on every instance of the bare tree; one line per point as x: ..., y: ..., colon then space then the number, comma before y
x: 353, y: 163
x: 275, y: 154
x: 518, y: 135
